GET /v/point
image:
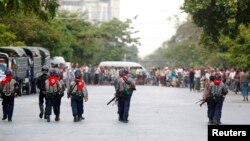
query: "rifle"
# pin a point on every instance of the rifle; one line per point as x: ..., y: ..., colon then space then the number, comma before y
x: 202, y: 102
x: 114, y: 98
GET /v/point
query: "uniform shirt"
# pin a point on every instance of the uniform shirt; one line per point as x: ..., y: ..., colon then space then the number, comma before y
x: 219, y: 90
x: 73, y: 89
x: 41, y: 81
x: 51, y: 89
x: 121, y: 84
x: 9, y: 87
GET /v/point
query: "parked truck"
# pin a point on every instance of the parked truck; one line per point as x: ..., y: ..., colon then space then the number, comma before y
x: 26, y: 63
x: 16, y: 60
x: 34, y: 66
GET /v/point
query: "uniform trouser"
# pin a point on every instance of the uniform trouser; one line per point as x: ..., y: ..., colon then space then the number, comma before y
x: 51, y: 102
x: 216, y: 109
x: 58, y: 103
x: 123, y: 107
x: 8, y: 106
x: 210, y: 113
x: 41, y: 101
x: 77, y: 107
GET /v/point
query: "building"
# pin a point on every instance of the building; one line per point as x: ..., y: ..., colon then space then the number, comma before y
x: 95, y: 10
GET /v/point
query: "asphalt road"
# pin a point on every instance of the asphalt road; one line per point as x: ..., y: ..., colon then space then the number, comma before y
x: 156, y: 114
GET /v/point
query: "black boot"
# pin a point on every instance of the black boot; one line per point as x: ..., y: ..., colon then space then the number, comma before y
x: 4, y: 117
x: 75, y: 119
x: 81, y: 117
x: 41, y: 110
x: 57, y: 118
x: 41, y: 115
x: 45, y: 116
x: 210, y: 122
x: 48, y: 118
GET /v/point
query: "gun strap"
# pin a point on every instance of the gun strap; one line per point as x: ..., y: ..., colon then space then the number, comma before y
x: 126, y: 81
x: 72, y: 89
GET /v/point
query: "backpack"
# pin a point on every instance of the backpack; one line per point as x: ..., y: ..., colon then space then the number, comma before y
x: 218, y: 91
x: 41, y: 82
x: 79, y: 94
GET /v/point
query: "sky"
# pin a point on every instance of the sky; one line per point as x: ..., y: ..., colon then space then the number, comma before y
x: 154, y: 21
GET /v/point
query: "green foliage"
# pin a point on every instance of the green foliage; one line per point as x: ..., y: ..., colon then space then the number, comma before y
x: 44, y: 9
x: 7, y: 37
x: 225, y: 28
x: 35, y: 32
x: 183, y: 49
x: 116, y: 41
x: 74, y: 38
x: 239, y: 48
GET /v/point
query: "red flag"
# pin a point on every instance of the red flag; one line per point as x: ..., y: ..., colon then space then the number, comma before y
x: 80, y: 85
x: 52, y: 80
x: 217, y: 82
x: 6, y: 79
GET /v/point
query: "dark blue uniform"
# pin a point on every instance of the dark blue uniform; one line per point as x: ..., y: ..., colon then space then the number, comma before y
x: 124, y: 87
x: 53, y: 87
x: 8, y: 94
x: 78, y: 93
x: 41, y: 85
x: 217, y: 90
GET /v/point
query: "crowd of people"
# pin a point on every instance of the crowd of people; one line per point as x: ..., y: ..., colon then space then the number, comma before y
x: 96, y: 75
x: 195, y: 78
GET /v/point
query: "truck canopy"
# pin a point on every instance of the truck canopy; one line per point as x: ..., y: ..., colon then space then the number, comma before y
x: 13, y: 51
x: 120, y: 64
x: 45, y: 54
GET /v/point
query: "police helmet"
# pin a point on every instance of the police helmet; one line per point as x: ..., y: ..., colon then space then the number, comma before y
x: 123, y: 71
x: 52, y: 72
x: 217, y: 76
x: 78, y: 74
x: 45, y: 69
x: 8, y: 72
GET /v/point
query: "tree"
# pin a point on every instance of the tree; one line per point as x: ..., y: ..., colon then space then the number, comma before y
x: 218, y: 16
x: 183, y: 49
x: 35, y: 32
x: 7, y: 37
x: 44, y: 9
x: 117, y: 42
x: 222, y: 23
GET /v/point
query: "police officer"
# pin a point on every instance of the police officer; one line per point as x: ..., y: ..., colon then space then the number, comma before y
x: 9, y: 91
x: 124, y: 87
x: 53, y: 87
x: 208, y: 98
x: 60, y: 92
x: 41, y: 85
x: 218, y: 91
x: 77, y: 92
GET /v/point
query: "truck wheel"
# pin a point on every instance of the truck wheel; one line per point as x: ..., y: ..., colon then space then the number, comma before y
x: 20, y: 89
x: 33, y: 88
x: 28, y: 88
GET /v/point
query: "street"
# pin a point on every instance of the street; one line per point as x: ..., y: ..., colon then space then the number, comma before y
x: 156, y: 114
